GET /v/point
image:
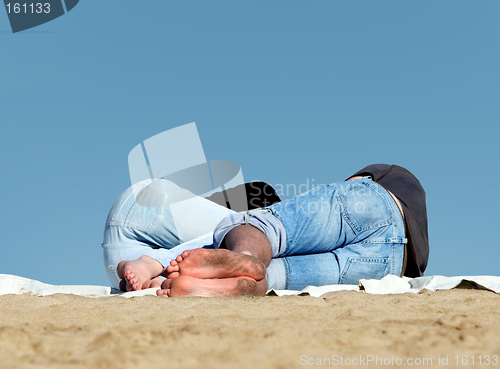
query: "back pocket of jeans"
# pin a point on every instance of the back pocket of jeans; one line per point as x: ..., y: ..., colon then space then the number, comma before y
x: 364, y: 268
x: 364, y: 207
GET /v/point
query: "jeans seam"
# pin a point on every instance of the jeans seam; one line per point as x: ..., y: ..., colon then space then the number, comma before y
x: 385, y: 195
x: 393, y: 259
x: 287, y: 273
x: 117, y: 245
x: 114, y: 223
x: 121, y: 205
x: 276, y: 214
x: 390, y: 240
x: 355, y: 227
x: 380, y: 260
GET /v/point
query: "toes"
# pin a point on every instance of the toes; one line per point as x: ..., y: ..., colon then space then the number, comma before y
x: 185, y: 254
x: 166, y: 284
x: 131, y: 280
x: 173, y: 275
x: 154, y: 283
x: 173, y: 262
x: 132, y: 283
x: 172, y: 268
x: 163, y: 292
x: 129, y: 274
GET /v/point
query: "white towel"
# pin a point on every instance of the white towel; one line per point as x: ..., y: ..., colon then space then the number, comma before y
x: 390, y: 284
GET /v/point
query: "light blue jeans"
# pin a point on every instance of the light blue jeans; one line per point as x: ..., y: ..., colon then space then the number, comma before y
x: 335, y: 234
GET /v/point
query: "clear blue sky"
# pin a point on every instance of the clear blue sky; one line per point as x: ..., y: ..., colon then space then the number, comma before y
x: 291, y: 90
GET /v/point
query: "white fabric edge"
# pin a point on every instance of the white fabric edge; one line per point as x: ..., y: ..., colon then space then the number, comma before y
x: 390, y: 284
x: 314, y: 291
x: 15, y: 285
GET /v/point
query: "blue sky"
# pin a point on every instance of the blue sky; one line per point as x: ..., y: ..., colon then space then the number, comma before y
x: 294, y: 91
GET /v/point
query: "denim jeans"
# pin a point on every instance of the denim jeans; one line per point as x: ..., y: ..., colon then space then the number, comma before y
x: 335, y: 234
x: 159, y: 220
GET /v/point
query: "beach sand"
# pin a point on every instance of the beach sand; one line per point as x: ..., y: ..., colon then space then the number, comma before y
x: 65, y: 331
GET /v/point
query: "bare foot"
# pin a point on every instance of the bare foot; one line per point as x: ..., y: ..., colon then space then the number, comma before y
x: 153, y: 283
x: 191, y: 286
x: 219, y: 263
x: 139, y: 273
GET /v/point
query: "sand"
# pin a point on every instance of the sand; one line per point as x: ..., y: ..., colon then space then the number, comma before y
x: 65, y: 331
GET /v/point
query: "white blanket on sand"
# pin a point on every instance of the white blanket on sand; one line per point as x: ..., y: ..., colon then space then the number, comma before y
x: 11, y: 284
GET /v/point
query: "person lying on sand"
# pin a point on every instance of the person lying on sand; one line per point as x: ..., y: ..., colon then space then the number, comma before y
x: 335, y: 234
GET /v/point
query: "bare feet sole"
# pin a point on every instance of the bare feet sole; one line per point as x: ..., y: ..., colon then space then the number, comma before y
x: 138, y: 274
x: 191, y: 286
x: 218, y: 263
